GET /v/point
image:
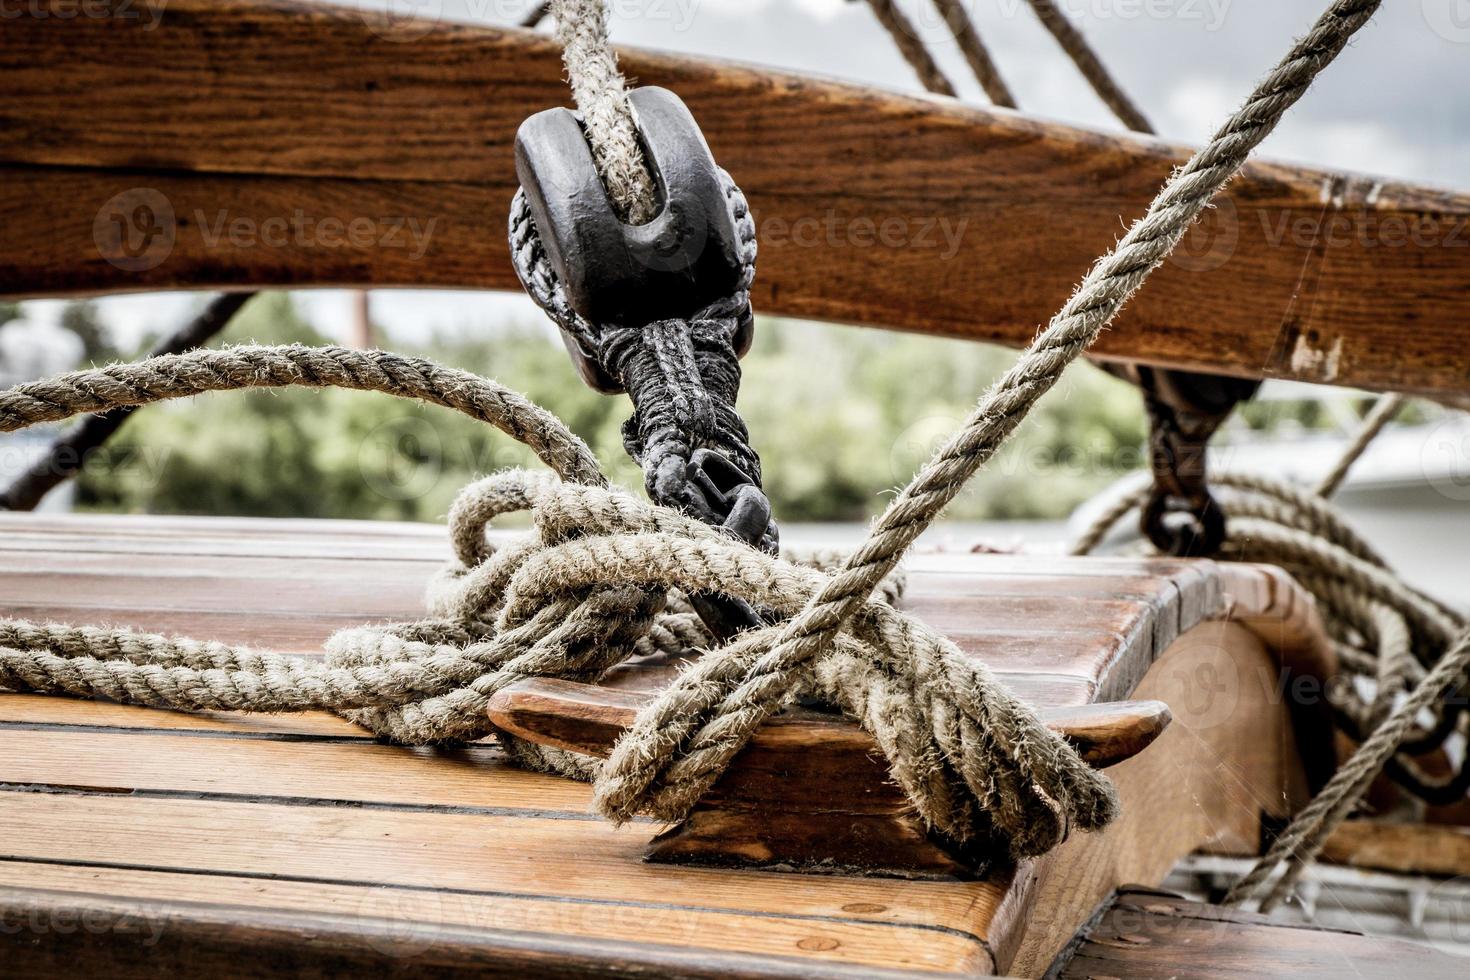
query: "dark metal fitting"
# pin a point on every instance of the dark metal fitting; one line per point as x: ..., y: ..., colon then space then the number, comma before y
x: 673, y: 266
x: 729, y: 499
x: 1181, y: 516
x: 1184, y: 527
x: 726, y: 498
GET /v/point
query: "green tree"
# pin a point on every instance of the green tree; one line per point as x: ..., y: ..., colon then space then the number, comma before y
x: 81, y: 318
x: 840, y: 416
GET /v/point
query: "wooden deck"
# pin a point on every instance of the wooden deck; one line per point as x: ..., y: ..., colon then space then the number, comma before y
x: 142, y: 841
x: 1149, y: 935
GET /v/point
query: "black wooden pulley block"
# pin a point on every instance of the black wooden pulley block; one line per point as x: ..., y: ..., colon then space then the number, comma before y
x: 672, y: 266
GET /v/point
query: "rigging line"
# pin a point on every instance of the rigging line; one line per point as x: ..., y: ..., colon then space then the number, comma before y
x: 601, y: 94
x: 1085, y: 58
x: 1382, y: 412
x: 906, y: 39
x: 982, y: 65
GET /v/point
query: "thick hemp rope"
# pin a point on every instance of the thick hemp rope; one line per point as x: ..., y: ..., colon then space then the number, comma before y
x: 975, y: 762
x: 1371, y: 622
x: 682, y: 742
x: 600, y: 92
x: 598, y: 581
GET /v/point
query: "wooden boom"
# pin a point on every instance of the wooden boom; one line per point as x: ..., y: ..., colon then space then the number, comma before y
x: 233, y: 143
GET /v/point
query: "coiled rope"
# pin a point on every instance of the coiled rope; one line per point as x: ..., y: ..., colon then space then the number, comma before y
x: 975, y: 762
x: 1412, y: 650
x: 588, y: 589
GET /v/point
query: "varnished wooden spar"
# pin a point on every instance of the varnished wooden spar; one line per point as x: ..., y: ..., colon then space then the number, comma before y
x: 265, y: 142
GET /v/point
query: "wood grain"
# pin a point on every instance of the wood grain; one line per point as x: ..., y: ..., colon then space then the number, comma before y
x: 1226, y: 761
x: 1408, y: 848
x: 219, y: 824
x: 872, y: 208
x: 1152, y: 935
x: 129, y: 938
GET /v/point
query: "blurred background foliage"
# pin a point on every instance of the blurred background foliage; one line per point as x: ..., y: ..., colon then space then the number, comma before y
x: 841, y: 416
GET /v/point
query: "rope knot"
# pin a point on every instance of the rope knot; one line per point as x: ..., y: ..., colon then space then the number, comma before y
x: 604, y: 577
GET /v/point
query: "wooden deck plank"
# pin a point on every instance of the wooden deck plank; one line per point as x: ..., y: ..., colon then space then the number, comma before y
x: 20, y: 711
x: 128, y: 937
x: 176, y: 763
x: 574, y: 861
x: 1151, y: 935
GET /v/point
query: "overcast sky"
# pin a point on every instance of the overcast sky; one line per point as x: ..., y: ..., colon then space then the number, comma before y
x: 1397, y: 103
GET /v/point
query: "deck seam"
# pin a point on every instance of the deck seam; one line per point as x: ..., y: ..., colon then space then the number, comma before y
x: 321, y: 802
x: 493, y: 893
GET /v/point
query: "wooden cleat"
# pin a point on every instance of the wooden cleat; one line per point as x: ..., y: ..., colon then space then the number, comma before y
x: 811, y: 790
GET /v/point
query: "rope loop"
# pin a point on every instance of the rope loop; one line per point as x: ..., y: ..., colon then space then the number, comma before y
x: 602, y: 578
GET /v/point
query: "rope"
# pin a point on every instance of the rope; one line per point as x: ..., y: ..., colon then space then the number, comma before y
x: 1387, y: 633
x: 1390, y: 665
x: 977, y: 56
x: 682, y: 742
x: 181, y: 375
x: 599, y: 91
x: 589, y: 586
x: 906, y: 39
x: 1085, y: 58
x: 1382, y: 412
x: 1308, y: 833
